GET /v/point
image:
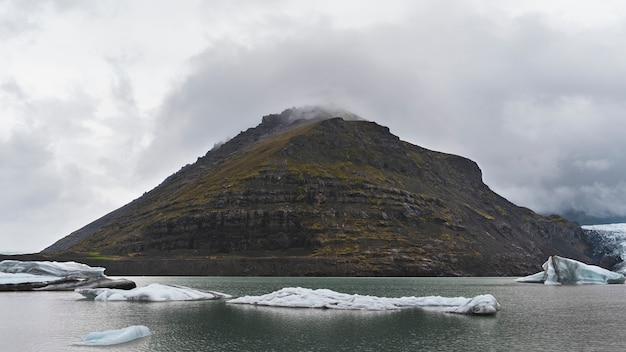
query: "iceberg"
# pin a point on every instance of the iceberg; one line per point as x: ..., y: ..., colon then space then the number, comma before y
x: 151, y: 293
x: 563, y: 271
x: 18, y: 275
x: 298, y: 297
x: 50, y: 269
x: 114, y: 337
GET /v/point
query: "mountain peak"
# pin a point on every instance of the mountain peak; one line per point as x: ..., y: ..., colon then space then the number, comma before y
x: 309, y: 113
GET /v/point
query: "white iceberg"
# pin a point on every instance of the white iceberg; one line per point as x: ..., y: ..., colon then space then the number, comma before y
x: 16, y: 275
x: 298, y: 297
x: 22, y: 278
x: 114, y: 337
x: 151, y: 293
x: 558, y: 270
x: 50, y: 269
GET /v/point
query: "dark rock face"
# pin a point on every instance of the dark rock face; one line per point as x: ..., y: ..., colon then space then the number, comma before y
x: 328, y: 197
x: 100, y: 282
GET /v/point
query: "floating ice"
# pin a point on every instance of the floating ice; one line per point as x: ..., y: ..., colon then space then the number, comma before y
x: 20, y: 278
x: 114, y: 337
x: 18, y: 275
x: 298, y: 297
x: 558, y: 270
x: 151, y: 293
x: 50, y: 269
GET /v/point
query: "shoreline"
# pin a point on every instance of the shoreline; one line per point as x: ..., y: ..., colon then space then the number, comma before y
x: 258, y: 266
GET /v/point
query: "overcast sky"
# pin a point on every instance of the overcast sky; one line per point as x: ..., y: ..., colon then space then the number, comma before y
x: 101, y: 100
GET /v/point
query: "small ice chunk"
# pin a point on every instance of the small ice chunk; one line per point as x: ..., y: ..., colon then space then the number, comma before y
x: 558, y: 270
x: 298, y: 297
x: 151, y: 293
x: 114, y: 337
x: 538, y: 278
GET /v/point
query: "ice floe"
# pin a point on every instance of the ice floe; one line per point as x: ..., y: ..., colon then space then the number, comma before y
x: 298, y: 297
x: 151, y: 293
x: 20, y: 278
x: 558, y: 270
x: 50, y: 269
x: 114, y: 337
x: 18, y: 275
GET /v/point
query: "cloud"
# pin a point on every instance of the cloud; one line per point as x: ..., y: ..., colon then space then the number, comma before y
x: 101, y: 101
x: 62, y: 165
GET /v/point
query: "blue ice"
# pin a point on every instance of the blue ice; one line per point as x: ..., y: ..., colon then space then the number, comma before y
x: 114, y: 337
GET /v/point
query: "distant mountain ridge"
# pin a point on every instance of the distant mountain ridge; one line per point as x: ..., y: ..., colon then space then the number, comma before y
x: 329, y: 195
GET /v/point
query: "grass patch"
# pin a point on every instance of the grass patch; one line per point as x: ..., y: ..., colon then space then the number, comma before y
x: 481, y: 213
x: 97, y: 255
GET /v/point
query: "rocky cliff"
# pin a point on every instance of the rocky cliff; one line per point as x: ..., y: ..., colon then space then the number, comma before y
x: 326, y: 195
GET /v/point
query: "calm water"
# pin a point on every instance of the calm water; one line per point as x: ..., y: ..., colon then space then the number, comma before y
x: 533, y: 317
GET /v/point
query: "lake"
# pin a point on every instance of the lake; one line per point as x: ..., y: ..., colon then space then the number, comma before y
x: 533, y: 318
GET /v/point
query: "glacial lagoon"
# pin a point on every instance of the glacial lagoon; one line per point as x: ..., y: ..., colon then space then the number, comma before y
x: 533, y: 317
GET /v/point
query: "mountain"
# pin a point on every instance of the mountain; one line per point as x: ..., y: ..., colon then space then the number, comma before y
x: 320, y: 192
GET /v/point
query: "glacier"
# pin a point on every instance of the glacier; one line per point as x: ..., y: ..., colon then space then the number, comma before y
x: 151, y: 293
x: 16, y: 275
x: 608, y: 240
x: 563, y: 271
x: 114, y: 337
x: 298, y: 297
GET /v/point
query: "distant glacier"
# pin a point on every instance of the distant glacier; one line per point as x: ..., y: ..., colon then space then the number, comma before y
x: 609, y: 240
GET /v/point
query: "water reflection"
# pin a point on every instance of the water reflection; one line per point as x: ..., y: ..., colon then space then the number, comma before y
x: 329, y: 329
